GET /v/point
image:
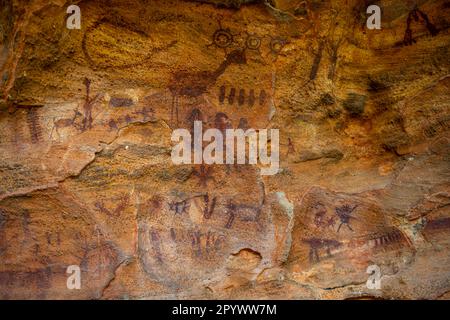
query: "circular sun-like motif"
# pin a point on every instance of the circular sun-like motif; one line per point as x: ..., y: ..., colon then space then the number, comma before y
x: 277, y: 44
x: 253, y: 42
x: 222, y: 38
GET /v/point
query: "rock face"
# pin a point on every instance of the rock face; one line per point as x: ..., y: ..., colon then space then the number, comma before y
x: 86, y: 117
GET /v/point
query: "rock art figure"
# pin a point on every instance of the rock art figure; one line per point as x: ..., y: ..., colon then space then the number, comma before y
x: 194, y: 84
x: 344, y: 215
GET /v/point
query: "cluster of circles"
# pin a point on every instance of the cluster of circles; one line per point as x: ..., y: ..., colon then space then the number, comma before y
x: 223, y: 38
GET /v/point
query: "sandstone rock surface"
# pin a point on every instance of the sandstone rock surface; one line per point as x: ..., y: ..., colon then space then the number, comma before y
x: 86, y: 118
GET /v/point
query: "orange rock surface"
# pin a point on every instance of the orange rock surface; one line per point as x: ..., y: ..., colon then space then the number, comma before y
x: 86, y: 118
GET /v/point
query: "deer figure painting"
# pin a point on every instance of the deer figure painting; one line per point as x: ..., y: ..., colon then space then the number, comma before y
x: 194, y: 84
x: 64, y: 123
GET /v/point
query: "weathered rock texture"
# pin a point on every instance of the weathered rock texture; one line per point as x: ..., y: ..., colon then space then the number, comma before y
x: 86, y: 175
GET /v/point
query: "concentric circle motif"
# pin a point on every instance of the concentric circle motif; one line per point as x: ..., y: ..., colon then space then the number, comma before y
x: 253, y: 42
x: 277, y: 44
x: 222, y: 38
